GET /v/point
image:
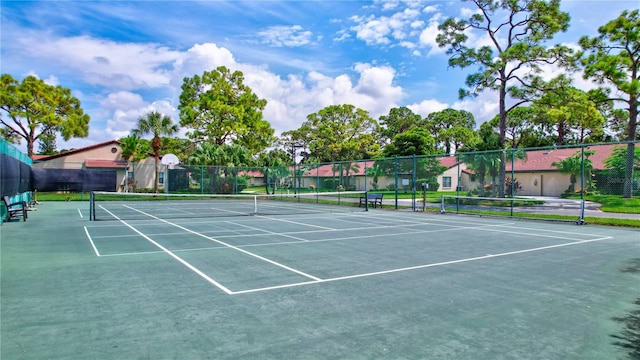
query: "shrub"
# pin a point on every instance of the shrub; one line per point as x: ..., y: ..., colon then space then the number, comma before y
x: 516, y: 186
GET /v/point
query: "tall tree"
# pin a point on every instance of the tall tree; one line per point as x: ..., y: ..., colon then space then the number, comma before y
x: 31, y: 109
x: 396, y: 122
x: 451, y: 128
x: 295, y: 143
x: 340, y: 132
x: 613, y: 58
x: 517, y: 31
x: 416, y: 141
x: 570, y: 111
x: 155, y: 124
x: 522, y: 130
x: 48, y: 143
x: 220, y: 109
x: 181, y: 148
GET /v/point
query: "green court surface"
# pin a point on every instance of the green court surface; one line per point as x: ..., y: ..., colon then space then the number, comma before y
x: 359, y: 285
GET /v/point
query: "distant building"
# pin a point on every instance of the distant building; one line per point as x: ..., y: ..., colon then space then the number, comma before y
x: 103, y: 156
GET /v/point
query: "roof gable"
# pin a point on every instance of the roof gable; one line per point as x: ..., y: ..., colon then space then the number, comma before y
x: 76, y: 151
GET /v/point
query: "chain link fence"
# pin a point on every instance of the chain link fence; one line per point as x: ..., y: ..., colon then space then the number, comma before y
x: 413, y: 182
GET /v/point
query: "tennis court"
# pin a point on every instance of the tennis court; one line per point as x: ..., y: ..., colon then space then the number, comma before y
x: 311, y: 284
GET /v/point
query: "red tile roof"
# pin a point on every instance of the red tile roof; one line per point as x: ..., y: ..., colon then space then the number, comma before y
x: 449, y: 161
x: 37, y: 157
x: 541, y: 160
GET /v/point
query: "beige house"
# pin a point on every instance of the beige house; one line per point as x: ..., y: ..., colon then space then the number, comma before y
x: 103, y: 156
x: 539, y: 177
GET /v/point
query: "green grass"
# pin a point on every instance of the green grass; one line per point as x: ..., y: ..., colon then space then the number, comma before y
x: 589, y: 220
x: 616, y: 204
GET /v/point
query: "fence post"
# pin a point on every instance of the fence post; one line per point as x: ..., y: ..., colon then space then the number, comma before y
x: 582, y: 184
x: 395, y: 170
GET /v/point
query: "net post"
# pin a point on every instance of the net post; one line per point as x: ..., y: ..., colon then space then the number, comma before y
x: 92, y: 214
x: 255, y: 204
x: 366, y: 201
x: 581, y: 221
x: 442, y: 210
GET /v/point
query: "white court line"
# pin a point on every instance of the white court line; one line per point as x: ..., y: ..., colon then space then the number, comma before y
x: 413, y: 232
x: 390, y: 271
x: 80, y: 213
x: 232, y: 247
x: 266, y: 232
x: 181, y: 260
x: 451, y: 227
x: 134, y: 253
x: 295, y: 222
x: 86, y: 231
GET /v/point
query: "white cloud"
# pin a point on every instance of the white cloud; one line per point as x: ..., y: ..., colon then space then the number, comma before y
x: 467, y: 12
x: 290, y: 100
x: 429, y: 34
x: 483, y: 107
x: 104, y: 62
x: 426, y: 107
x: 430, y: 9
x: 373, y: 31
x: 382, y: 30
x: 121, y: 99
x: 289, y: 36
x: 124, y: 109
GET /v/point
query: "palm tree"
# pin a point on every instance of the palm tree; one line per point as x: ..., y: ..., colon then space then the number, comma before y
x: 574, y: 167
x: 374, y: 172
x: 483, y: 164
x: 132, y: 150
x: 156, y: 124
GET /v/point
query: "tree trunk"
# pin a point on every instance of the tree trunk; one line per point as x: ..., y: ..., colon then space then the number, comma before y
x: 155, y: 183
x: 627, y: 191
x: 503, y: 129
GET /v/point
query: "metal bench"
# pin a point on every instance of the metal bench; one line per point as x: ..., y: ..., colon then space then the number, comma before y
x: 374, y: 199
x: 16, y: 209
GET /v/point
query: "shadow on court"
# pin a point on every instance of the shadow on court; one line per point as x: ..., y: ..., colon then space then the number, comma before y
x: 629, y: 336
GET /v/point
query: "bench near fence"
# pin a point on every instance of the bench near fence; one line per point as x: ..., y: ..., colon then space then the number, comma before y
x: 15, y: 209
x: 374, y: 200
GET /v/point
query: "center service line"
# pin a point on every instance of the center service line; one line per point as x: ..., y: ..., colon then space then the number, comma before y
x: 229, y: 246
x: 181, y: 260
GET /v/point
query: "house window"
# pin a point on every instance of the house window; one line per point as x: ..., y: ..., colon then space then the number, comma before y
x: 446, y: 182
x: 161, y: 177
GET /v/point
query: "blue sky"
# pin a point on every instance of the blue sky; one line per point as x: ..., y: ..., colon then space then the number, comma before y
x: 123, y: 59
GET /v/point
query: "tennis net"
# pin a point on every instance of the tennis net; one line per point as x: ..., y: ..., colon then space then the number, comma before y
x: 541, y: 208
x: 132, y: 206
